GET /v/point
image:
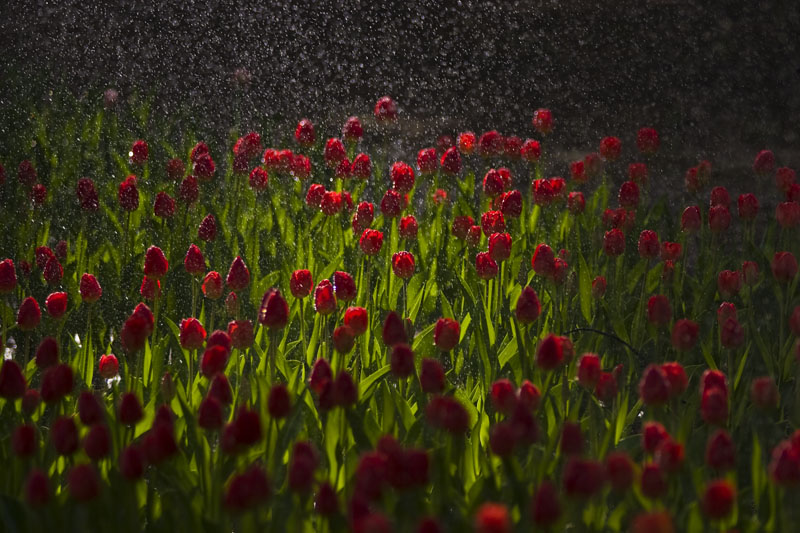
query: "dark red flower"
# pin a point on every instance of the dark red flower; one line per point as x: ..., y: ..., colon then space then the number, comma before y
x: 371, y: 241
x: 614, y: 242
x: 193, y: 334
x: 138, y: 153
x: 543, y: 121
x: 97, y: 443
x: 23, y: 440
x: 352, y: 131
x: 714, y: 405
x: 403, y: 265
x: 685, y: 334
x: 385, y: 109
x: 784, y: 267
x: 648, y: 244
x: 53, y: 271
x: 130, y: 409
x: 324, y: 298
x: 279, y: 402
x: 209, y: 414
x: 446, y: 334
x: 719, y: 499
x: 719, y: 218
x: 212, y: 285
x: 721, y: 451
x: 466, y: 142
x: 29, y: 315
x: 764, y: 393
x: 204, y: 167
x: 301, y: 283
x: 394, y: 331
x: 764, y: 162
x: 334, y: 152
x: 619, y: 469
x: 274, y: 311
x: 189, y: 191
x: 653, y: 433
x: 583, y: 478
x: 321, y: 375
x: 550, y: 353
x: 690, y: 219
x: 402, y: 360
x: 37, y: 488
x: 647, y: 140
x: 238, y: 276
x: 345, y: 391
x: 492, y: 518
x: 788, y: 214
x: 659, y: 310
x: 610, y: 148
x: 447, y: 413
x: 128, y: 194
x: 451, y: 161
x: 214, y: 360
x: 653, y: 482
x: 391, y: 204
x: 155, y: 263
x: 344, y: 286
x: 108, y: 366
x: 485, y: 266
x: 629, y: 195
x: 748, y: 206
x: 654, y: 387
x: 343, y: 339
x: 431, y: 376
x: 490, y: 144
x: 247, y: 490
x: 84, y: 483
x: 408, y: 228
x: 56, y: 304
x: 304, y: 133
x: 589, y: 370
x: 64, y: 435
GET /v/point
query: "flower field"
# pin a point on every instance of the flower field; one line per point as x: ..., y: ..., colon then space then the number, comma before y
x: 292, y: 331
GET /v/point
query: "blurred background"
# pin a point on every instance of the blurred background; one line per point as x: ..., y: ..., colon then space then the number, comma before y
x: 717, y: 79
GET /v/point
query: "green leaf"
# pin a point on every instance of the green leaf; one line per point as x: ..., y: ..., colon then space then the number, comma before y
x: 507, y: 353
x: 366, y: 385
x: 585, y: 288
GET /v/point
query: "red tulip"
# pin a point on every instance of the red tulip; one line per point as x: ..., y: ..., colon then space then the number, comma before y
x: 485, y: 266
x: 238, y: 276
x: 784, y: 267
x: 403, y: 265
x: 108, y: 366
x: 500, y: 246
x: 402, y: 360
x: 408, y: 228
x: 492, y: 518
x: 714, y: 406
x: 189, y: 191
x: 748, y: 206
x: 550, y: 353
x: 684, y: 334
x: 446, y: 334
x: 128, y: 194
x: 690, y: 219
x: 654, y: 387
x: 719, y: 499
x: 721, y: 451
x: 324, y: 298
x: 84, y: 483
x: 343, y: 339
x: 614, y: 242
x: 653, y: 433
x: 647, y: 140
x: 764, y: 162
x: 274, y: 311
x: 629, y: 195
x: 589, y: 370
x: 543, y: 121
x: 8, y: 276
x: 653, y: 482
x: 619, y: 469
x: 788, y: 214
x: 279, y: 402
x: 490, y: 144
x: 212, y: 285
x: 764, y: 393
x: 56, y: 304
x: 583, y: 478
x: 385, y: 109
x: 447, y: 413
x: 53, y: 271
x: 648, y: 244
x: 37, y: 488
x: 371, y: 241
x: 29, y: 314
x: 344, y: 286
x: 637, y: 173
x: 571, y: 438
x: 610, y: 148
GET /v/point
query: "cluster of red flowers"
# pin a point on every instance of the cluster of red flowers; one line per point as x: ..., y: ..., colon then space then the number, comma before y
x: 499, y: 369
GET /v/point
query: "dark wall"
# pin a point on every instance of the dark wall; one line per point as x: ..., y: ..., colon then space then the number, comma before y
x: 709, y: 75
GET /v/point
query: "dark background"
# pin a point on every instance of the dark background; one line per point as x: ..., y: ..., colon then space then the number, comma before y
x: 718, y: 80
